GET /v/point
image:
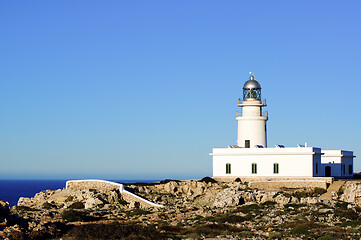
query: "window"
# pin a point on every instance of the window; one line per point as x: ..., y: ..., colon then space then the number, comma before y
x: 350, y: 169
x: 251, y: 94
x: 247, y: 143
x: 254, y: 168
x: 275, y: 168
x: 316, y: 168
x: 228, y: 168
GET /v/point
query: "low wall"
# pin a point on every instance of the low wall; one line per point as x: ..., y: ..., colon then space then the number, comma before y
x: 94, y: 184
x: 328, y: 180
x: 138, y: 201
x: 127, y: 196
x: 279, y: 184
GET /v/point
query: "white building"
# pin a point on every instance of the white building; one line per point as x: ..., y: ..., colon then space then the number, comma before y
x: 251, y: 157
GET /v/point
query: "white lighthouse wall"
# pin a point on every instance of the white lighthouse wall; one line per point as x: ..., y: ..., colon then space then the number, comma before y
x: 253, y: 129
x: 251, y: 111
x: 297, y: 162
x: 337, y: 160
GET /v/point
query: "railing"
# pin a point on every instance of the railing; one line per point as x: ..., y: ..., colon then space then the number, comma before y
x: 264, y: 101
x: 263, y: 114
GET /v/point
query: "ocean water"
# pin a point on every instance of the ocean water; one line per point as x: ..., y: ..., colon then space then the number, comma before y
x: 12, y: 190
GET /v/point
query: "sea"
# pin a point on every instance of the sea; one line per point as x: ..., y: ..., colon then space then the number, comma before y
x: 12, y: 190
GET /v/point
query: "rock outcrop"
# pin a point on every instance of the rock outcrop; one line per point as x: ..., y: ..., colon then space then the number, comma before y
x: 4, y: 209
x: 350, y: 192
x: 192, y: 209
x: 66, y: 198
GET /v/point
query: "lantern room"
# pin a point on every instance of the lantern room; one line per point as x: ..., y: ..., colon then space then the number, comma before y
x: 252, y: 90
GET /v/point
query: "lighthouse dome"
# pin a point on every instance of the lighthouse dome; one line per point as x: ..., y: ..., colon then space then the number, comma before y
x: 251, y: 90
x: 252, y: 84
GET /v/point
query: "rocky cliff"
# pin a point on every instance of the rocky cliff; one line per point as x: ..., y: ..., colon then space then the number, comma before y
x: 192, y: 209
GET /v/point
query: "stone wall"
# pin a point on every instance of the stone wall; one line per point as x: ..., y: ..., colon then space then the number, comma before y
x: 277, y: 185
x: 328, y: 180
x: 137, y: 201
x: 94, y: 184
x: 133, y: 199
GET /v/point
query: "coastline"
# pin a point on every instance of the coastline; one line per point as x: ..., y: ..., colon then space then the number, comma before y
x: 12, y: 189
x: 191, y: 209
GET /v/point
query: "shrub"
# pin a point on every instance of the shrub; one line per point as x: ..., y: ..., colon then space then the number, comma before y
x: 349, y: 223
x: 77, y: 205
x: 269, y: 203
x: 194, y: 236
x: 342, y: 205
x: 23, y: 208
x: 299, y: 231
x: 248, y: 208
x: 16, y: 235
x: 319, y: 191
x: 238, y: 180
x: 101, y: 205
x: 39, y: 235
x: 137, y: 211
x: 275, y: 235
x: 246, y: 233
x: 282, y: 193
x: 215, y: 229
x: 208, y: 180
x: 72, y: 216
x: 301, y: 194
x: 114, y: 231
x: 325, y: 238
x: 69, y: 199
x: 75, y: 215
x: 47, y: 205
x: 122, y: 202
x: 348, y: 214
x: 340, y: 192
x: 231, y: 219
x: 168, y: 228
x: 198, y: 217
x: 168, y: 180
x: 295, y: 205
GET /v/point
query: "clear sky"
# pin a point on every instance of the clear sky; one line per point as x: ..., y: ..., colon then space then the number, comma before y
x: 145, y: 89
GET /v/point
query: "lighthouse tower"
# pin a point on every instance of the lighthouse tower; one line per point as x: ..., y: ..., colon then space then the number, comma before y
x: 252, y: 130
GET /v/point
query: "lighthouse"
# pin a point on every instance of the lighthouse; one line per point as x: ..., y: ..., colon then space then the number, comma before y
x: 251, y: 160
x: 252, y: 130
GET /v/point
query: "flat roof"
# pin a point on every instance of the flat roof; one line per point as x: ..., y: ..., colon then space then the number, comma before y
x: 267, y: 151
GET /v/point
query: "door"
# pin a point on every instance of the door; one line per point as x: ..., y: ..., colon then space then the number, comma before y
x: 328, y: 171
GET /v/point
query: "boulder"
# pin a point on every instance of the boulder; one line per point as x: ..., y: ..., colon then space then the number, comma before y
x: 228, y: 198
x: 282, y: 199
x: 134, y: 204
x: 310, y: 200
x: 92, y: 202
x: 351, y: 192
x: 24, y: 201
x: 171, y: 187
x: 113, y: 197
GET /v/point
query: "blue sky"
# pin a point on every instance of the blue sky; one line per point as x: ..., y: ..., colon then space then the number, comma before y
x: 146, y: 89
